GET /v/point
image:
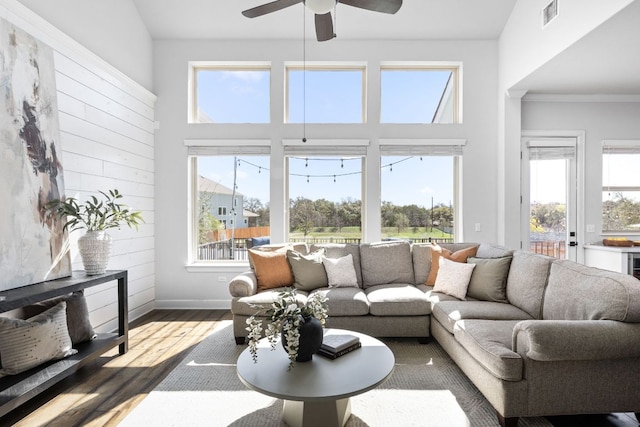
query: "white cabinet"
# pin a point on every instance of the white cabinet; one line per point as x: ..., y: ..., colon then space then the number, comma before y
x: 620, y: 259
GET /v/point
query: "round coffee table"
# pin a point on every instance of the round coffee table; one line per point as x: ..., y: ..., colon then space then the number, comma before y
x: 316, y: 393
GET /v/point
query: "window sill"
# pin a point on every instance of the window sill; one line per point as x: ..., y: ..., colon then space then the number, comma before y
x: 218, y: 267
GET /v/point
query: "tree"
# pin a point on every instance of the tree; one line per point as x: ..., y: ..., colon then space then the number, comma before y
x: 303, y: 215
x: 620, y: 213
x: 206, y: 221
x: 401, y: 221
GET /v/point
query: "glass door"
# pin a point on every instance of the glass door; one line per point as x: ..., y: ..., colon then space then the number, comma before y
x: 549, y: 197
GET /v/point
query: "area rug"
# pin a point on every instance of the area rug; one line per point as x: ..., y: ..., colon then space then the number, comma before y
x: 425, y: 389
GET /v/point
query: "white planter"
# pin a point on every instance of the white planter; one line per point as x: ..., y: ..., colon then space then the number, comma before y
x: 95, y: 248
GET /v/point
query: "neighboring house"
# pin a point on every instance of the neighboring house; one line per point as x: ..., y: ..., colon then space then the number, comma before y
x: 222, y: 203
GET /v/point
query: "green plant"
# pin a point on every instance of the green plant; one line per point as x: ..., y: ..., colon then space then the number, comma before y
x: 285, y: 316
x: 95, y: 214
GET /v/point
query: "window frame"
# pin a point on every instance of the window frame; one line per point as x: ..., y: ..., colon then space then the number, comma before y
x: 325, y: 66
x: 192, y: 83
x: 454, y: 67
x: 612, y: 147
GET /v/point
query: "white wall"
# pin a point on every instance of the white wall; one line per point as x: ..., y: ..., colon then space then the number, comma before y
x: 523, y: 47
x: 178, y: 287
x: 113, y: 30
x: 107, y: 141
x: 600, y: 120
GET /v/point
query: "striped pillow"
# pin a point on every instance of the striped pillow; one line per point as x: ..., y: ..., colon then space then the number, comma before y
x: 25, y: 344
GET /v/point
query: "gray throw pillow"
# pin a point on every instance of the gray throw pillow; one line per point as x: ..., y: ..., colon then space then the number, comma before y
x: 25, y: 344
x: 341, y: 272
x: 308, y: 270
x: 489, y: 279
x: 80, y: 329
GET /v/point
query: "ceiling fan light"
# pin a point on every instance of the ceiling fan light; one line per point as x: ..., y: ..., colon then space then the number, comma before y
x: 320, y: 6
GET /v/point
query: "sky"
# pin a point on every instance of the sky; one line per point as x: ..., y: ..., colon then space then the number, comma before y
x: 330, y: 97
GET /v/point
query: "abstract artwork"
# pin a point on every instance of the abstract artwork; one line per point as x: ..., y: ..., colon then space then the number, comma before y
x: 33, y: 244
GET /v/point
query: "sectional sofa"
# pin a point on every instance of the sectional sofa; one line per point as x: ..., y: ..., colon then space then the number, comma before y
x: 536, y: 335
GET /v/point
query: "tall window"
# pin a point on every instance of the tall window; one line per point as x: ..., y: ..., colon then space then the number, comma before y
x: 417, y: 195
x: 230, y: 205
x: 231, y: 94
x: 325, y: 95
x: 419, y: 95
x: 621, y: 186
x: 325, y: 203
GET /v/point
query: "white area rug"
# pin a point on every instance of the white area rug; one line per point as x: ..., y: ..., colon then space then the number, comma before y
x: 425, y: 389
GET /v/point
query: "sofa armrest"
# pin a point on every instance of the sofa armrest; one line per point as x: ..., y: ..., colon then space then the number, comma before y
x: 244, y: 285
x: 555, y: 340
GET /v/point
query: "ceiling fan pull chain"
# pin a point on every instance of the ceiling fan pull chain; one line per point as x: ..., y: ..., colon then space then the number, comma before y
x: 304, y: 75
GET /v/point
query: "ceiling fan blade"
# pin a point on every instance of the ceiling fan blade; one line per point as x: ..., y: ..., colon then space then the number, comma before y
x: 384, y: 6
x: 324, y: 27
x: 274, y: 6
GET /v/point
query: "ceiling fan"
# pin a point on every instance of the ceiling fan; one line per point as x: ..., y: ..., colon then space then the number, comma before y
x: 322, y: 10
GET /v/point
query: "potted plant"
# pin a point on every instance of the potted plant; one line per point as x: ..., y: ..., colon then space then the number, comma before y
x: 96, y: 216
x: 301, y: 327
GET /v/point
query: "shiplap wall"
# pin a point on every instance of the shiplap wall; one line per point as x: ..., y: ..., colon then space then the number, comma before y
x: 107, y: 141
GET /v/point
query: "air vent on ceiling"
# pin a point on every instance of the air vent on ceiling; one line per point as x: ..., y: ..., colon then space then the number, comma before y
x: 549, y: 12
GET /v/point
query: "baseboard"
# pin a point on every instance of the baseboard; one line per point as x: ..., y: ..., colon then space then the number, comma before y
x: 193, y: 304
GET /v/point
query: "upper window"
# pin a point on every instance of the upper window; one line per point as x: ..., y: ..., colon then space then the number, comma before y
x: 419, y: 95
x: 620, y: 186
x: 325, y: 95
x: 231, y: 95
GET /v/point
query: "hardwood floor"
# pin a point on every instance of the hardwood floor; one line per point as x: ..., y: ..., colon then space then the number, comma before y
x: 105, y: 391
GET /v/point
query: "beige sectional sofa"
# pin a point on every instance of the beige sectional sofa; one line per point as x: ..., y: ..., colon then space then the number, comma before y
x: 548, y: 337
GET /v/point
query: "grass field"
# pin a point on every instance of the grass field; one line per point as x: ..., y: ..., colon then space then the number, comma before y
x: 387, y: 232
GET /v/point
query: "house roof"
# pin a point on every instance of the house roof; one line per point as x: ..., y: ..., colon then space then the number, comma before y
x: 209, y: 186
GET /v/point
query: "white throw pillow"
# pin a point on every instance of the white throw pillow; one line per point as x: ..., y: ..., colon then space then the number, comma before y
x: 453, y: 278
x: 25, y: 344
x: 340, y: 272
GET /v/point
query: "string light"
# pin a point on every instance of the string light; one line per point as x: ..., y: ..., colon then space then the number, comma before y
x: 334, y: 176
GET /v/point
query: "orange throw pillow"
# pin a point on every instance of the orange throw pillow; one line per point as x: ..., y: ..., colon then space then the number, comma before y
x: 272, y: 268
x: 457, y: 256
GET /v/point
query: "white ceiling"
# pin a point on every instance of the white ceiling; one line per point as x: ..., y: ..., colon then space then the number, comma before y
x: 607, y: 61
x: 416, y: 19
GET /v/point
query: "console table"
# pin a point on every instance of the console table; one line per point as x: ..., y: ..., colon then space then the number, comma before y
x: 17, y: 389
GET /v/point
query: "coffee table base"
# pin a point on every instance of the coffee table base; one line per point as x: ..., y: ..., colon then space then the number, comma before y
x: 316, y: 414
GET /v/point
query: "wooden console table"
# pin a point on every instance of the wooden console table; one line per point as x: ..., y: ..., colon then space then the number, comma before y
x: 17, y: 389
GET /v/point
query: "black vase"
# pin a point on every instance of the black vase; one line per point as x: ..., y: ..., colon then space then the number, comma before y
x: 310, y: 339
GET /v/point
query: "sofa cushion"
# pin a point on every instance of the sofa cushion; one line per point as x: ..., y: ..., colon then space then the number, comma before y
x: 489, y: 343
x: 527, y: 281
x: 397, y: 299
x: 577, y: 292
x: 449, y: 312
x: 300, y: 247
x: 249, y: 305
x: 489, y: 279
x: 308, y: 271
x: 453, y: 278
x: 345, y: 301
x: 488, y: 250
x: 272, y: 268
x: 460, y: 255
x: 338, y: 250
x: 386, y: 262
x: 340, y: 272
x: 421, y: 257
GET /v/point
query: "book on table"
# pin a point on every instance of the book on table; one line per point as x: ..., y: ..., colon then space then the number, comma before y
x: 335, y: 355
x: 335, y: 345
